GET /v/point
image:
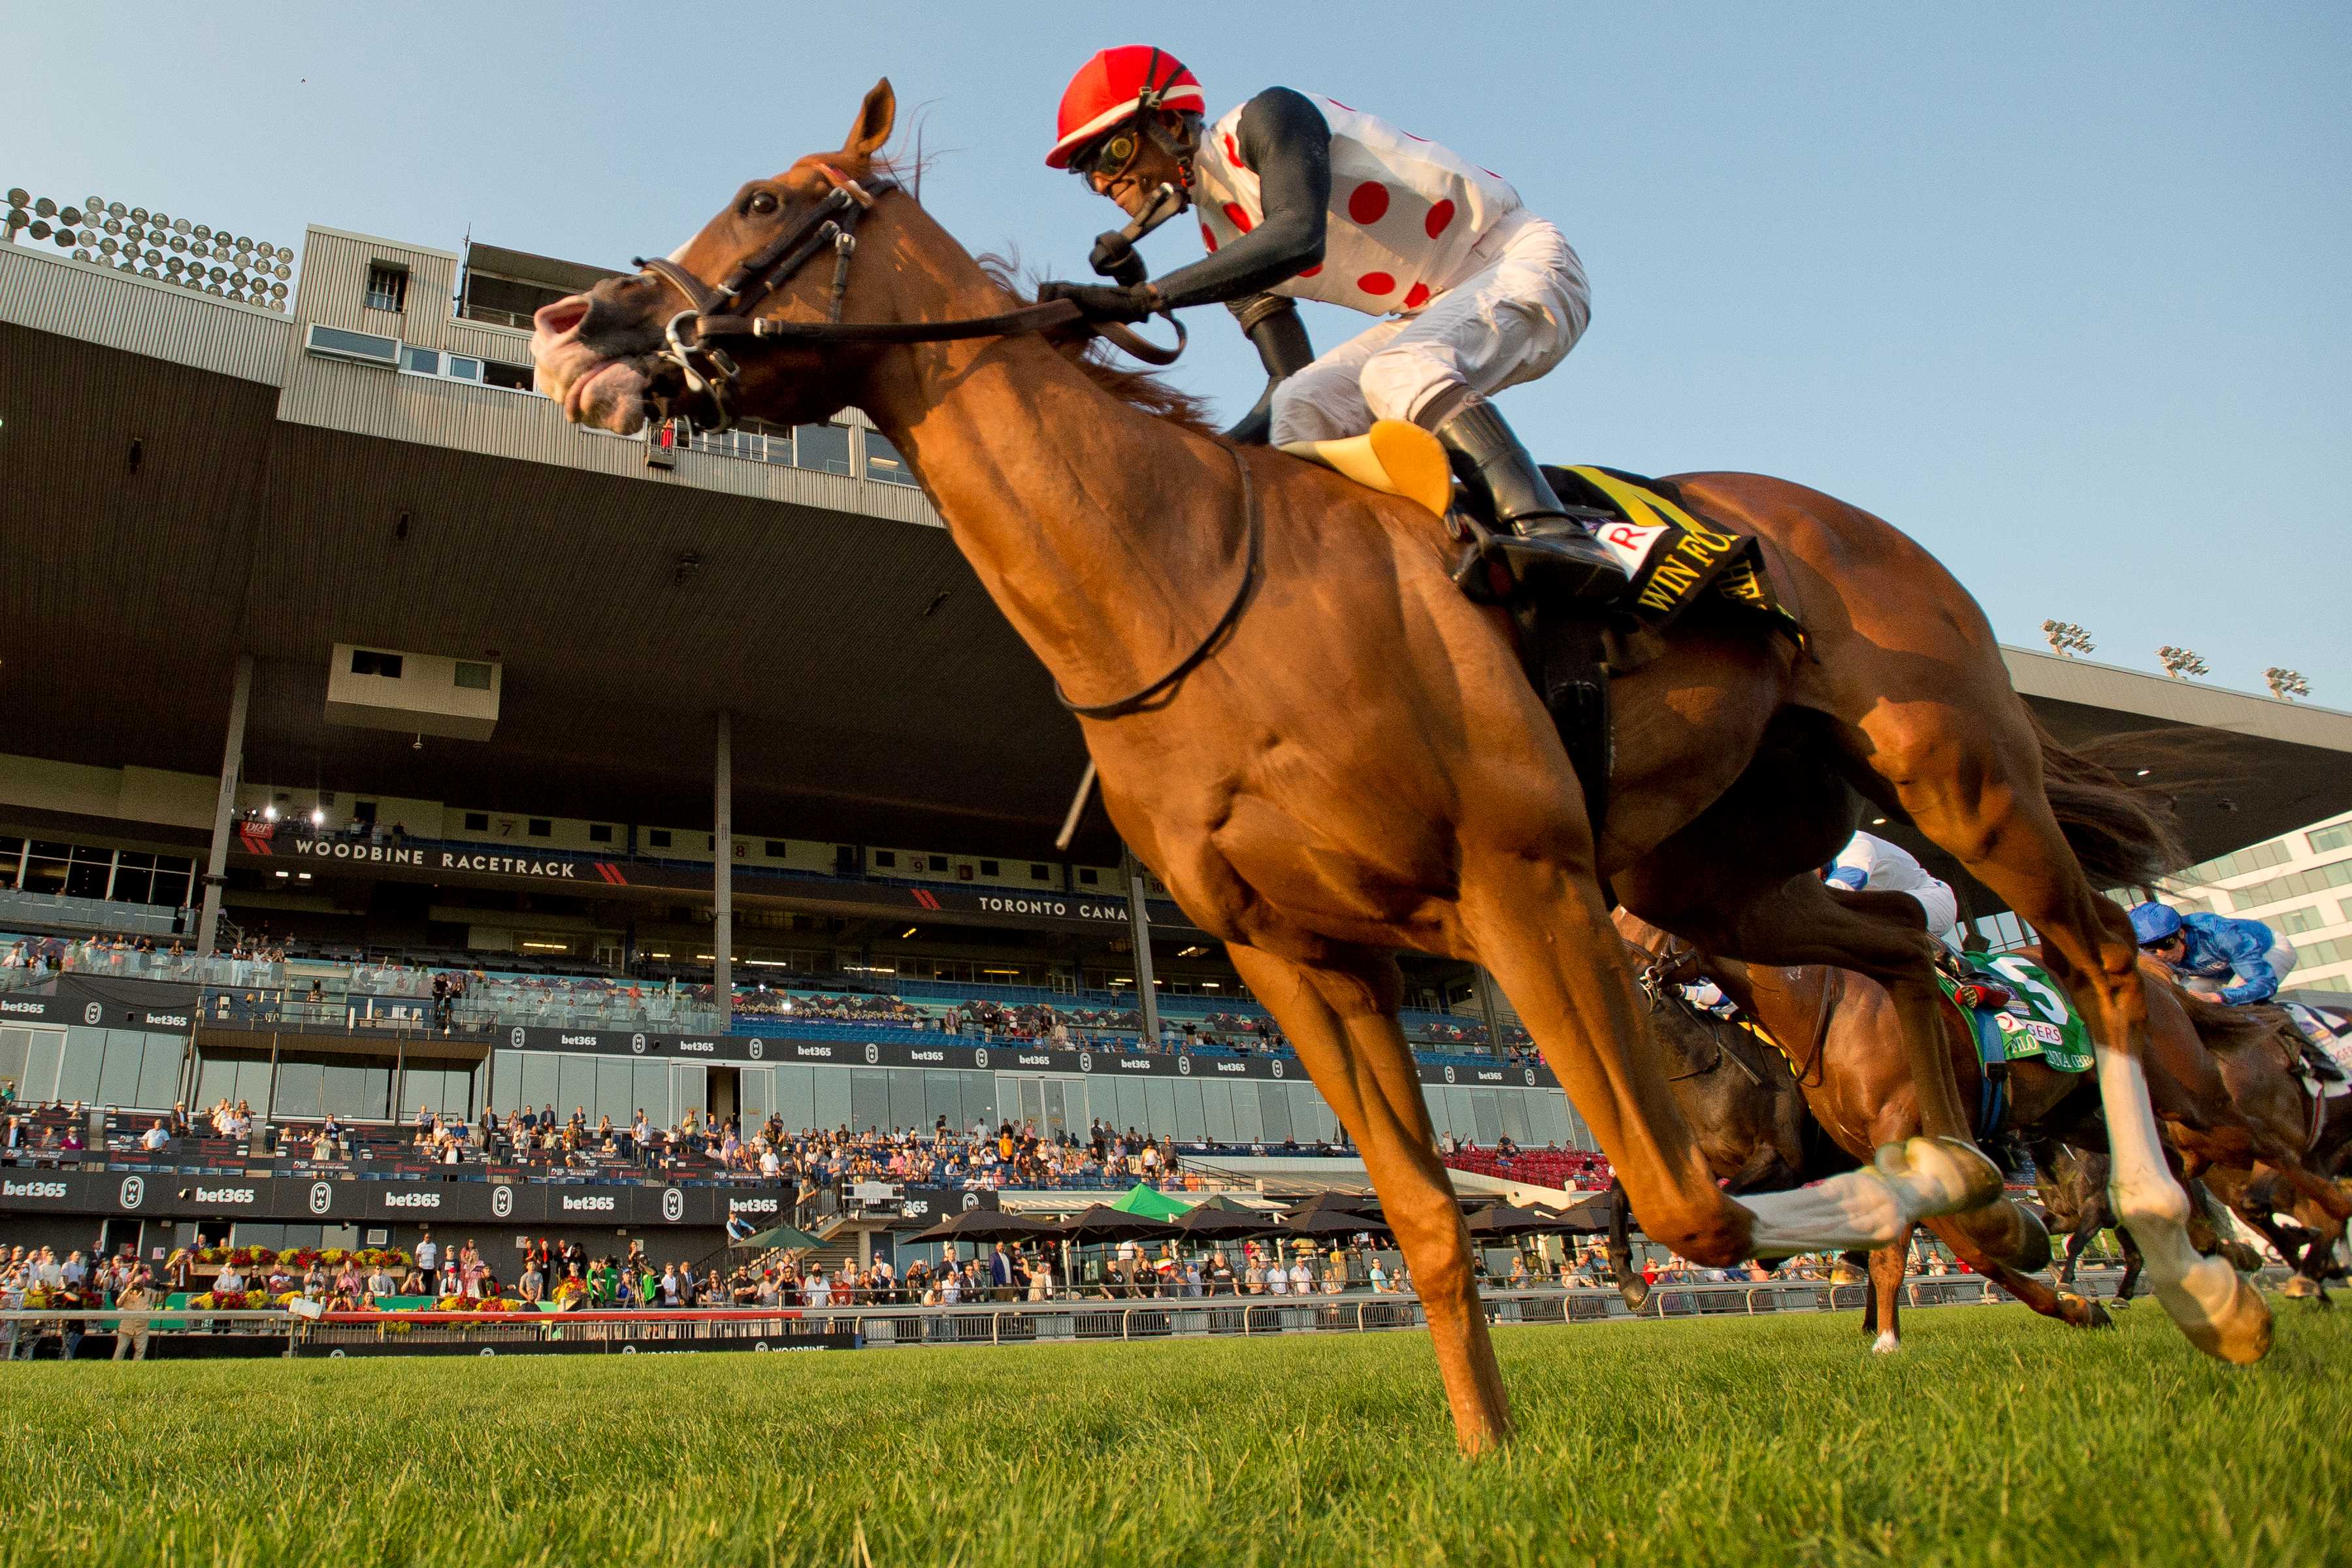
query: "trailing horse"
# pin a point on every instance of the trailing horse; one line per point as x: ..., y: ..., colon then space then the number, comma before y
x: 1327, y: 754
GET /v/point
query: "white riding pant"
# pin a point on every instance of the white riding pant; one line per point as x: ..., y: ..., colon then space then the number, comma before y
x: 1943, y: 907
x: 1506, y: 323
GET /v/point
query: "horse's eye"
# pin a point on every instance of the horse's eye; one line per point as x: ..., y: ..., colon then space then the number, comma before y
x: 764, y: 201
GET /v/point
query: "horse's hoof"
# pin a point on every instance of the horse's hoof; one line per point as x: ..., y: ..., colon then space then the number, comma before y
x: 1635, y: 1293
x: 2300, y: 1287
x: 1938, y: 1175
x: 2008, y: 1235
x: 1885, y: 1343
x: 2237, y: 1329
x: 2082, y: 1312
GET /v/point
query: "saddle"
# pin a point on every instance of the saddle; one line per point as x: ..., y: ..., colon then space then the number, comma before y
x: 1570, y: 647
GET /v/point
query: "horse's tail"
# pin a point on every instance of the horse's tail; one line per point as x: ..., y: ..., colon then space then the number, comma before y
x: 2123, y: 835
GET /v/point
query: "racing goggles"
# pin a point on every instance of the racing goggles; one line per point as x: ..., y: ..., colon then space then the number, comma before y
x: 1109, y: 155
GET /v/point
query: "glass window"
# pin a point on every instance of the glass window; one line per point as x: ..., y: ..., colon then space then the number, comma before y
x: 755, y: 1091
x: 883, y: 463
x: 907, y: 1101
x: 1247, y: 1127
x: 465, y: 369
x: 576, y: 1087
x: 869, y: 1099
x: 424, y: 361
x: 1485, y: 1116
x: 1274, y: 1109
x: 1515, y: 1116
x: 355, y: 1091
x: 653, y: 1093
x: 1159, y: 1098
x: 301, y: 1089
x: 13, y: 1045
x: 1217, y: 1110
x: 86, y: 878
x: 832, y: 1097
x: 658, y: 837
x: 118, y: 1078
x: 600, y: 833
x: 538, y: 1071
x: 616, y: 1090
x: 691, y: 1086
x: 78, y: 1073
x: 472, y: 676
x: 159, y: 1071
x: 980, y: 1099
x: 796, y: 1091
x: 824, y: 447
x: 1188, y: 1109
x: 506, y: 1082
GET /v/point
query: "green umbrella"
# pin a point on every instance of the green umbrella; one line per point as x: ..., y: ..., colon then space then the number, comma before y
x: 788, y: 1237
x: 1150, y: 1202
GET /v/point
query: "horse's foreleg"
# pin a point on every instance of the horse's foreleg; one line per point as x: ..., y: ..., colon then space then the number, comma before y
x: 2134, y: 1261
x: 1340, y: 1014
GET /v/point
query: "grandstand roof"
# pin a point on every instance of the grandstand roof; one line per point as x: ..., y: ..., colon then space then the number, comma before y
x: 172, y: 503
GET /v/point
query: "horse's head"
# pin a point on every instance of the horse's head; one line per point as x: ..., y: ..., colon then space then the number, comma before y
x: 607, y: 354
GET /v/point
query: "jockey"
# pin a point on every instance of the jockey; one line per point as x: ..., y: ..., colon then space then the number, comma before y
x: 2202, y: 949
x: 1871, y: 863
x: 1307, y: 198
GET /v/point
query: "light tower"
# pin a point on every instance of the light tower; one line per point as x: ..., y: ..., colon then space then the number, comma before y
x: 2180, y: 663
x: 2066, y: 638
x: 2286, y: 685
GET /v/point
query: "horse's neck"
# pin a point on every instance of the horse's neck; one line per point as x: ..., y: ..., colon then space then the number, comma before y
x: 1086, y: 519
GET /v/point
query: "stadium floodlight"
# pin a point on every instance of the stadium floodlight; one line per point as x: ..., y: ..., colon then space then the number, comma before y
x: 143, y: 238
x: 2067, y: 639
x: 2286, y: 685
x: 318, y: 817
x: 2180, y: 663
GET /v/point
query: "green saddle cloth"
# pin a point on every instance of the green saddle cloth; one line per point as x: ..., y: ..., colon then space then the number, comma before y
x: 2038, y: 1022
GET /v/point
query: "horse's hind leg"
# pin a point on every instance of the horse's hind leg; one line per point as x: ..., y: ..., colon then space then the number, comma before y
x: 1631, y: 1288
x: 1887, y: 1270
x: 1543, y: 931
x: 1340, y: 1014
x: 1969, y: 773
x: 2077, y: 1311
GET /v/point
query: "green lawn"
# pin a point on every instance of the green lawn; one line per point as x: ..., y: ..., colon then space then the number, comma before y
x: 1994, y: 1438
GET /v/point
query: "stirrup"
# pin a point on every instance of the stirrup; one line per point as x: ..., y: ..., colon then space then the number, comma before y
x: 1557, y: 557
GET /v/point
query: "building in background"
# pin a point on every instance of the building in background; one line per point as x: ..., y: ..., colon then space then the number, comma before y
x: 2298, y: 884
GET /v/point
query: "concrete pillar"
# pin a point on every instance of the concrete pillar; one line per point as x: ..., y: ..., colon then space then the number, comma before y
x: 1139, y: 927
x: 1486, y: 988
x: 722, y: 873
x: 232, y: 765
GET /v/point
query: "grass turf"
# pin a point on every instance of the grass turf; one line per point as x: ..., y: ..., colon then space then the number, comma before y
x: 1994, y: 1438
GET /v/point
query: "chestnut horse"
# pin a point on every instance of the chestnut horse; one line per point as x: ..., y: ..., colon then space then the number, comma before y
x: 1349, y: 761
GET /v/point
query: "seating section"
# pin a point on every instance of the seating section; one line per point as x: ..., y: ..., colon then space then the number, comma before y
x: 1574, y: 1170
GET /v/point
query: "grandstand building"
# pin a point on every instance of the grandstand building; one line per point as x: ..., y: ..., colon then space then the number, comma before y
x: 704, y: 764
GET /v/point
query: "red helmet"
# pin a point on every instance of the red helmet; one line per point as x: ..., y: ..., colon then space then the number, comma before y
x: 1116, y: 84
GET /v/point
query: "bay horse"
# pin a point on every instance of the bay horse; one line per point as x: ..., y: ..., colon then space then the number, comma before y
x: 1349, y: 762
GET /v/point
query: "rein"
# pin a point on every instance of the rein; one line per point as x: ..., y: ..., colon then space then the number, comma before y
x: 728, y: 310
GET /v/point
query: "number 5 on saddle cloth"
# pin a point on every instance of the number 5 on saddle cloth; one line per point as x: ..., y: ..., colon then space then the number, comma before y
x: 2016, y: 1011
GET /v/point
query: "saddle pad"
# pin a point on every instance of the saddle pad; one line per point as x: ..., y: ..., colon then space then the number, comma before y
x: 1673, y: 556
x: 2039, y: 1023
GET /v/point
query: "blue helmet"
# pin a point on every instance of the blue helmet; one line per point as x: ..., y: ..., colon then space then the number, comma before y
x: 2155, y: 922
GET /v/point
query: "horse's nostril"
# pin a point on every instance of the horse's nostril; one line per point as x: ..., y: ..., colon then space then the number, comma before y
x: 561, y: 316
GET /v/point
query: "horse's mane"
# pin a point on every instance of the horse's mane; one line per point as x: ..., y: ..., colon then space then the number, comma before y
x: 1139, y: 389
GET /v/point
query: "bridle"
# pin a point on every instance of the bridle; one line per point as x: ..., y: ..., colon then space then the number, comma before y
x: 727, y: 309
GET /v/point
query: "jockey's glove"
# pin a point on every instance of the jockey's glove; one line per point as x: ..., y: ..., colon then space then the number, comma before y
x: 1103, y: 301
x: 1114, y: 257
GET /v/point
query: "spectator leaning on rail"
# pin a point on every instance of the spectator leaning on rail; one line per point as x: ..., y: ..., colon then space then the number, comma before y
x: 2204, y: 949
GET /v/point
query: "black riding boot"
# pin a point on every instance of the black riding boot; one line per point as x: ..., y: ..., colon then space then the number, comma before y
x: 1488, y: 459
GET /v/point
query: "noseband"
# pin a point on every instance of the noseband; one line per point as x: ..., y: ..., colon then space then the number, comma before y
x: 728, y: 310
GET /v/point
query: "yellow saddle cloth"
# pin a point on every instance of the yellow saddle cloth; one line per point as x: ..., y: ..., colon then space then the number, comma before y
x: 1395, y: 457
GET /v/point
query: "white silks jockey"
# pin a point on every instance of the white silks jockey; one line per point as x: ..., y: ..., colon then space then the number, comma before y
x: 1303, y: 197
x: 1871, y: 863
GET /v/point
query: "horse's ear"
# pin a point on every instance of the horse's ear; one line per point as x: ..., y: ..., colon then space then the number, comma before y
x: 875, y: 117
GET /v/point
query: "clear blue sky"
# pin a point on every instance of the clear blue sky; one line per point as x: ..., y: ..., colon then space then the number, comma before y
x: 2060, y: 290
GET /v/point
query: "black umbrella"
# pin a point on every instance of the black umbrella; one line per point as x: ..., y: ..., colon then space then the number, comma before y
x: 1503, y: 1221
x: 1103, y: 1223
x: 1587, y: 1217
x: 988, y: 1224
x: 1309, y: 1221
x: 1343, y: 1202
x: 1222, y: 1219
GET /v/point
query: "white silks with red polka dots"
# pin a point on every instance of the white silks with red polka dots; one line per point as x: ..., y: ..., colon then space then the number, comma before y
x: 1406, y: 213
x: 1482, y: 292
